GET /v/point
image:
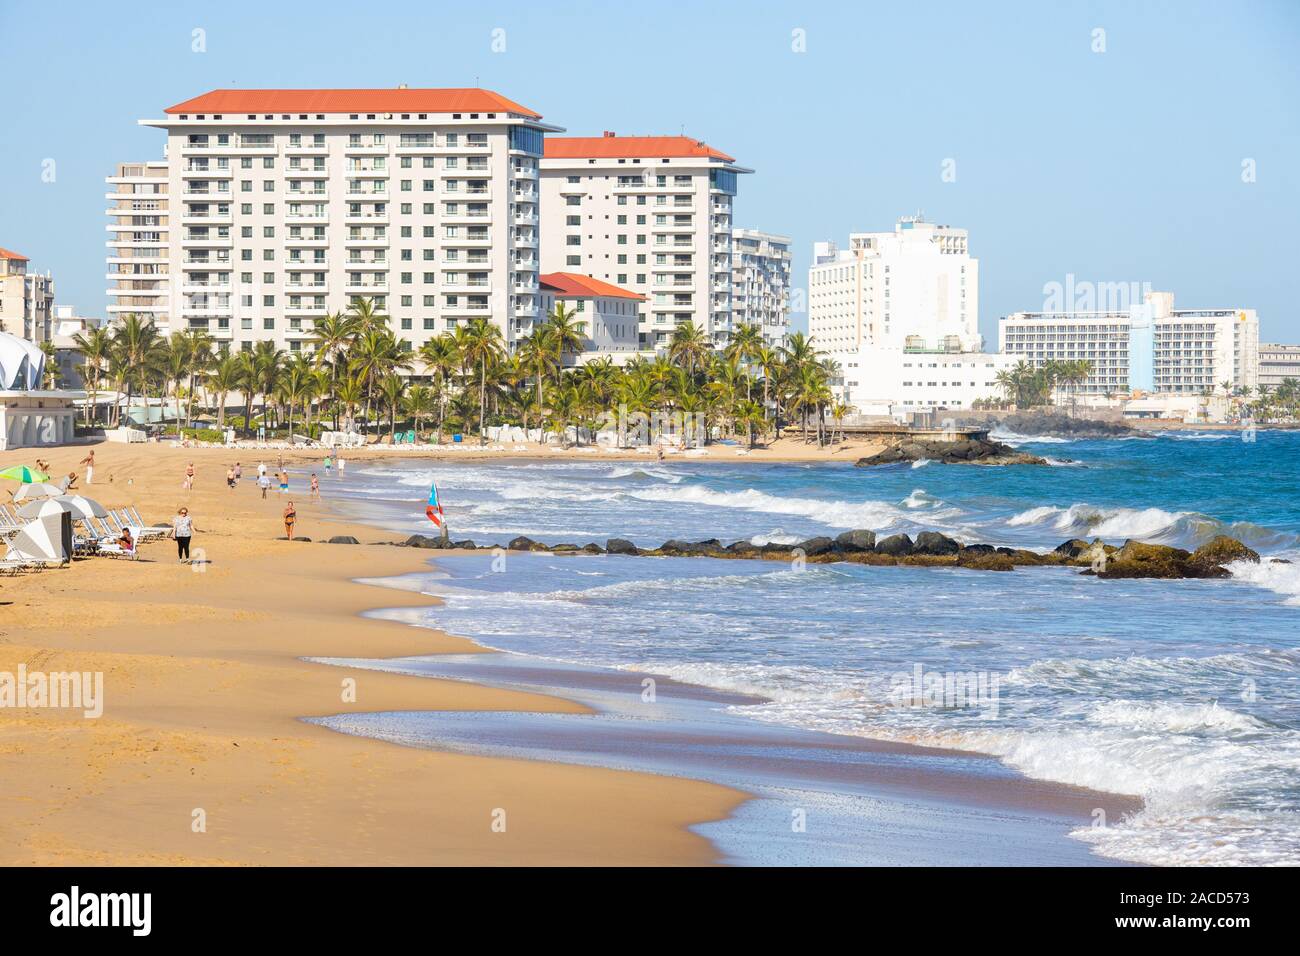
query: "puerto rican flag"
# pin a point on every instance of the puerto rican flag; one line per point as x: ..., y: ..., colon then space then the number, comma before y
x: 434, y: 509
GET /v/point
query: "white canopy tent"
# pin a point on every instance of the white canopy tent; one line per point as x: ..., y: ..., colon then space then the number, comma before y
x: 47, y: 539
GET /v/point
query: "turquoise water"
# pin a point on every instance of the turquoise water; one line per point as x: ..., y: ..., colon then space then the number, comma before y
x: 1186, y: 693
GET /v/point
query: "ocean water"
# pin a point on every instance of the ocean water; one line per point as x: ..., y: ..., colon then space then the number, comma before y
x: 1186, y: 693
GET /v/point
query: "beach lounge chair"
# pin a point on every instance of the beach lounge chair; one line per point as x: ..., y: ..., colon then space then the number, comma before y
x: 146, y: 530
x: 115, y: 550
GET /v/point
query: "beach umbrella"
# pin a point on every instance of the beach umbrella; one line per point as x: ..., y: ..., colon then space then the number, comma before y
x: 37, y: 490
x: 24, y: 474
x: 40, y: 540
x: 79, y: 507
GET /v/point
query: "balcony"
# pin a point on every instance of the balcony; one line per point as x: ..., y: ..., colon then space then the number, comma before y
x: 367, y: 287
x: 365, y: 218
x: 206, y: 172
x: 306, y: 242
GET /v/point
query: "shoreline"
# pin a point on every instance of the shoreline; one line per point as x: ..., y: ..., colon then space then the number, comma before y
x: 660, y: 820
x: 207, y: 696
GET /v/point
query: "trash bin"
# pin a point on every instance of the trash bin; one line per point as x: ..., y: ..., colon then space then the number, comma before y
x: 457, y: 437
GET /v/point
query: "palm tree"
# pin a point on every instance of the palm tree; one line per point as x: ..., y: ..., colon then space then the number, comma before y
x: 175, y: 362
x: 135, y: 348
x: 376, y: 354
x: 225, y: 378
x: 441, y: 358
x: 419, y: 404
x: 391, y: 389
x: 688, y: 345
x: 331, y: 337
x: 95, y: 346
x: 199, y: 345
x: 562, y: 332
x: 480, y: 343
x: 295, y: 385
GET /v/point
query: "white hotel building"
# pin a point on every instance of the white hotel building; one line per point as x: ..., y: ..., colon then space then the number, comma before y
x: 652, y: 214
x: 760, y: 283
x: 899, y: 311
x: 1149, y: 347
x: 274, y: 208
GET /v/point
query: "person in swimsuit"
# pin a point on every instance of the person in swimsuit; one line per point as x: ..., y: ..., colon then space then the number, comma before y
x: 290, y: 516
x: 315, y: 486
x: 230, y: 478
x: 189, y: 477
x: 284, y: 481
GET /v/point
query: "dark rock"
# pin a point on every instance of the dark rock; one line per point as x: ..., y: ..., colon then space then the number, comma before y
x: 522, y: 543
x: 1137, y: 559
x: 968, y: 450
x: 896, y: 544
x: 343, y: 539
x: 985, y: 561
x: 932, y: 542
x: 466, y: 545
x: 929, y: 560
x: 423, y: 541
x: 743, y: 548
x: 568, y: 548
x: 815, y: 546
x: 592, y: 548
x: 1073, y: 548
x: 974, y: 549
x: 1055, y: 425
x: 851, y: 541
x: 620, y: 546
x: 296, y: 538
x: 1222, y: 550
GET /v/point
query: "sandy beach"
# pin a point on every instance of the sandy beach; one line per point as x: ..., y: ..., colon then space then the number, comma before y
x: 204, y: 693
x: 208, y: 703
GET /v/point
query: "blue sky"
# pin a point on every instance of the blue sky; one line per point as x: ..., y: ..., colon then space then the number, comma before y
x: 1119, y: 166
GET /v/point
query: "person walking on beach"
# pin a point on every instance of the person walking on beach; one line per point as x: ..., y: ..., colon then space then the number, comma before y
x: 182, y: 531
x: 290, y: 516
x: 188, y: 484
x: 264, y: 482
x: 284, y: 481
x: 261, y: 469
x: 230, y: 478
x: 315, y: 487
x: 239, y: 471
x: 329, y: 465
x: 89, y: 462
x: 342, y: 465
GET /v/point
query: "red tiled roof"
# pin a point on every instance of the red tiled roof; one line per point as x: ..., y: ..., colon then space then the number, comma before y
x: 573, y: 285
x: 6, y: 254
x: 610, y: 146
x: 351, y: 101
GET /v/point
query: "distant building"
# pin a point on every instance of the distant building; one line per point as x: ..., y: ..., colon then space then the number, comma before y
x: 760, y: 283
x: 899, y: 312
x: 1278, y: 362
x: 609, y: 314
x: 1150, y: 347
x: 140, y: 238
x: 651, y: 214
x: 68, y: 325
x: 26, y: 299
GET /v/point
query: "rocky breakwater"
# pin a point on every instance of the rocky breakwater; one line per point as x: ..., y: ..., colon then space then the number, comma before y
x: 1133, y: 559
x: 969, y: 451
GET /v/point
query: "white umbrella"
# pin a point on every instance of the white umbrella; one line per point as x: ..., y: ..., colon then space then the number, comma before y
x: 39, y: 540
x: 81, y: 507
x: 40, y: 489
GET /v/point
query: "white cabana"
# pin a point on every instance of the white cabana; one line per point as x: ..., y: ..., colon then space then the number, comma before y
x: 47, y: 539
x: 22, y: 364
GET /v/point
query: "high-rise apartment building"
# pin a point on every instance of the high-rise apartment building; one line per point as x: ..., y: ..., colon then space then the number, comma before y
x: 139, y: 257
x: 652, y: 214
x: 26, y: 299
x: 278, y: 207
x: 1277, y: 363
x: 760, y: 283
x: 899, y: 312
x: 1150, y: 347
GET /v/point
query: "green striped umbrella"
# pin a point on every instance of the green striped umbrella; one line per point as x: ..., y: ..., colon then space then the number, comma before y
x: 24, y: 474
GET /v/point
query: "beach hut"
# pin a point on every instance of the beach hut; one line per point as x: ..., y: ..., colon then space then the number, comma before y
x: 45, y: 540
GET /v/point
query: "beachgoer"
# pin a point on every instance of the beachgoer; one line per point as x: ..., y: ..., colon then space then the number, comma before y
x: 315, y: 486
x: 42, y: 466
x: 125, y: 541
x: 230, y: 478
x: 188, y: 484
x: 342, y: 465
x: 261, y: 468
x: 239, y: 471
x: 264, y: 482
x: 284, y: 481
x: 89, y: 462
x: 290, y: 516
x: 329, y: 465
x: 182, y: 531
x: 69, y: 482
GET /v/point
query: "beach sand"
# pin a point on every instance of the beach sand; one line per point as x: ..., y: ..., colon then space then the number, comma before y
x: 204, y: 691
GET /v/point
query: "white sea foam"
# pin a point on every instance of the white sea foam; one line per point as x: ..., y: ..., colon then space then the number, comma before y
x: 1015, y: 438
x: 1282, y: 578
x: 920, y: 462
